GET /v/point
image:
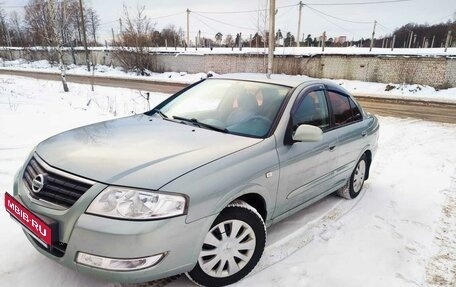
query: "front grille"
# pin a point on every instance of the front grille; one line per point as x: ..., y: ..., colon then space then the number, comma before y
x: 57, y: 188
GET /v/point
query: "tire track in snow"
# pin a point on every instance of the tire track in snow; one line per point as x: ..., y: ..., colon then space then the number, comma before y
x: 441, y: 268
x: 324, y: 227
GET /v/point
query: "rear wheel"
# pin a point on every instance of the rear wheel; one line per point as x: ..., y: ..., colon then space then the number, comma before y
x: 355, y: 183
x: 231, y: 248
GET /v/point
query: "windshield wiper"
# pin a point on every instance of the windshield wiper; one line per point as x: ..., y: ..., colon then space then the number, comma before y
x: 201, y: 124
x: 158, y: 111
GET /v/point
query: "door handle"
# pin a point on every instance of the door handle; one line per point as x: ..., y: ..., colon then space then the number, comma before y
x: 364, y: 133
x: 332, y: 147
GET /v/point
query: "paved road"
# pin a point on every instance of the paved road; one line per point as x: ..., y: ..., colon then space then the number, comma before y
x: 427, y: 110
x: 146, y: 85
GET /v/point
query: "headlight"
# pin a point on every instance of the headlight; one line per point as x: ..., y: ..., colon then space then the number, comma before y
x: 136, y: 204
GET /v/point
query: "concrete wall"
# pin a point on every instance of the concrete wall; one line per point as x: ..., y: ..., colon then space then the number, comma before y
x: 438, y: 71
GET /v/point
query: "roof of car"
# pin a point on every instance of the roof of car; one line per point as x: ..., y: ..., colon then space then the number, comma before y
x: 285, y: 80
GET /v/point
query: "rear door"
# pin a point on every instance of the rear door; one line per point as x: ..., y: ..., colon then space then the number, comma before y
x: 306, y: 167
x: 351, y: 132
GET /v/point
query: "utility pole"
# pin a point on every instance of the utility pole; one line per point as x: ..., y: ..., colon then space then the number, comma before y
x: 81, y: 10
x: 299, y: 22
x: 373, y: 34
x: 271, y: 37
x: 113, y: 39
x: 394, y: 41
x: 240, y: 41
x: 447, y: 42
x: 188, y: 27
x: 323, y: 41
x: 432, y: 43
x: 410, y: 40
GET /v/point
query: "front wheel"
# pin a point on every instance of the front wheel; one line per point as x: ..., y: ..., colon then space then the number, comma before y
x: 231, y: 248
x: 356, y: 181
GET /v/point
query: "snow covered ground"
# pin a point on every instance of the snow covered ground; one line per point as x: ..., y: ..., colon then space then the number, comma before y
x: 451, y: 51
x: 400, y: 232
x: 389, y: 90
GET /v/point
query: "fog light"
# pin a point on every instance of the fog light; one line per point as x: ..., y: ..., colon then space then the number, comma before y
x: 118, y: 264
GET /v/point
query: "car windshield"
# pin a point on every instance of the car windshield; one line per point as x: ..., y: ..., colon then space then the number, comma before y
x: 231, y: 106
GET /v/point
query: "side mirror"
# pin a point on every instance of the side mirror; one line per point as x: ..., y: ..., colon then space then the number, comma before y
x: 308, y: 133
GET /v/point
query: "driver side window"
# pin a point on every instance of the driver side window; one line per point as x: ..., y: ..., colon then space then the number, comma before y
x: 312, y: 110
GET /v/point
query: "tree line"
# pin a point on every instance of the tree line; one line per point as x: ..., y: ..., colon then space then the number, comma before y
x: 45, y: 23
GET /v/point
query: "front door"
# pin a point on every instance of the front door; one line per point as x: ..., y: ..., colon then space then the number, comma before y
x: 306, y: 167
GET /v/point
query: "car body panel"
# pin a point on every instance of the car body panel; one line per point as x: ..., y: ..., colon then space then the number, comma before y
x: 213, y: 186
x: 136, y: 148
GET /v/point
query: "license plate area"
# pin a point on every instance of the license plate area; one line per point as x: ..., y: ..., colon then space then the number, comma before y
x: 43, y: 230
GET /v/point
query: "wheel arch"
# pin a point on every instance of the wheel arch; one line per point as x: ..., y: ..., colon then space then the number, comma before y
x: 256, y: 201
x: 368, y: 154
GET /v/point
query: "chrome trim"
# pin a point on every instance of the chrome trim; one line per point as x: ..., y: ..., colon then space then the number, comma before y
x: 60, y: 172
x: 49, y: 168
x: 38, y: 183
x: 43, y: 202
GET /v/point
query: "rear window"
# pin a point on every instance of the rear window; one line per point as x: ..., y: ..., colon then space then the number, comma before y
x: 344, y: 109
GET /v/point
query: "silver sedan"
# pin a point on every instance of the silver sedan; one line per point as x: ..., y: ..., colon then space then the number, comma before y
x: 190, y: 186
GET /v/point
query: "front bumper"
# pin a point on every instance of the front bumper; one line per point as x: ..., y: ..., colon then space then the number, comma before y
x: 125, y: 239
x: 122, y: 239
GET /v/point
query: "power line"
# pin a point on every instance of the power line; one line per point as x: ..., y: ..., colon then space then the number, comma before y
x: 340, y: 19
x: 166, y: 16
x: 221, y: 22
x: 205, y: 24
x: 286, y: 12
x: 356, y: 3
x: 345, y: 29
x: 310, y: 4
x: 389, y: 29
x: 435, y: 21
x: 109, y: 22
x: 241, y: 12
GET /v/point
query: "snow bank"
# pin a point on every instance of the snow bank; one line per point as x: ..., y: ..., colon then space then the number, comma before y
x: 296, y: 51
x: 390, y: 90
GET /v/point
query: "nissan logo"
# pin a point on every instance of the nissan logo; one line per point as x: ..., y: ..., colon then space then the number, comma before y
x: 38, y: 183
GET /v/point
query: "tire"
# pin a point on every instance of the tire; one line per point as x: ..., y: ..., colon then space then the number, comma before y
x: 355, y: 183
x: 218, y: 262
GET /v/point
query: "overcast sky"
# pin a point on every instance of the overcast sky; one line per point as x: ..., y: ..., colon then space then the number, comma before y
x: 314, y: 22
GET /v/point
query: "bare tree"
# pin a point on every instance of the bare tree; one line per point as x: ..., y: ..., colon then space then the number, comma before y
x: 48, y: 29
x: 170, y: 35
x: 218, y: 38
x: 229, y: 40
x: 16, y: 26
x: 262, y: 21
x: 93, y: 22
x: 134, y: 41
x: 4, y: 29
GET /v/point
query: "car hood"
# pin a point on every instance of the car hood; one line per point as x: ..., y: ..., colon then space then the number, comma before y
x: 139, y: 151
